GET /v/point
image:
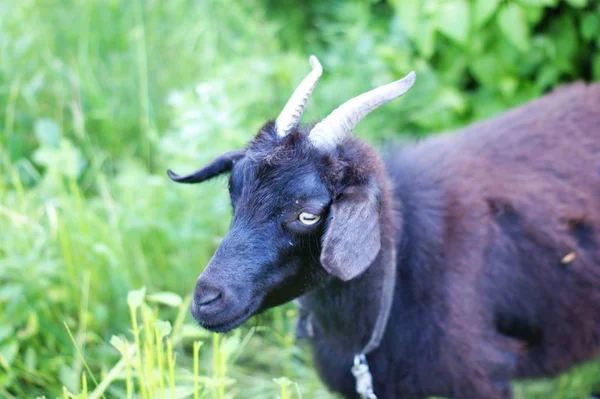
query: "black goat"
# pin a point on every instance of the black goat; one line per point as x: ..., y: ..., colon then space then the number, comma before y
x: 491, y: 235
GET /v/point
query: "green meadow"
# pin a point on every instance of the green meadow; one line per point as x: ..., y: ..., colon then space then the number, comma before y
x: 99, y: 251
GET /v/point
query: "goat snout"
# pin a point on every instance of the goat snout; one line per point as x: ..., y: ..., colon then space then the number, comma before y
x: 206, y: 295
x: 218, y: 307
x: 207, y: 298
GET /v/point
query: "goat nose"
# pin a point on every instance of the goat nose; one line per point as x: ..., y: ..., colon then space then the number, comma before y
x: 206, y: 295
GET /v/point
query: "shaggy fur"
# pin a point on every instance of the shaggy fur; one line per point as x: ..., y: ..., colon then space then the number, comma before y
x: 496, y: 228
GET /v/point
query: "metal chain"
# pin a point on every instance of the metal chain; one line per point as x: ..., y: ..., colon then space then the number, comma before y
x: 363, y: 377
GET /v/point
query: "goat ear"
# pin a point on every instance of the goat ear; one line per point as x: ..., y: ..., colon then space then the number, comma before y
x: 352, y: 238
x: 222, y: 164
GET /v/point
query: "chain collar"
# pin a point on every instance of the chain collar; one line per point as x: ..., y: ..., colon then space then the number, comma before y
x: 360, y: 369
x: 363, y: 377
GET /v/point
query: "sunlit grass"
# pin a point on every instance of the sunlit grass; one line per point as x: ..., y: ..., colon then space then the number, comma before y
x: 148, y: 359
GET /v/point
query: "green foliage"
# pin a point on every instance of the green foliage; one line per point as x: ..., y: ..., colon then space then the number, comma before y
x: 473, y: 58
x: 98, y: 97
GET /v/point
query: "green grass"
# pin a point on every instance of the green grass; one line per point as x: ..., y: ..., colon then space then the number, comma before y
x: 97, y: 99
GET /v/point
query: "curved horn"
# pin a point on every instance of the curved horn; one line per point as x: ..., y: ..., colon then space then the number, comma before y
x: 340, y: 122
x: 290, y: 116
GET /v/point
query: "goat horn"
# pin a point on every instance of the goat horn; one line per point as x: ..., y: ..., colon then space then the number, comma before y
x: 340, y: 122
x: 290, y: 116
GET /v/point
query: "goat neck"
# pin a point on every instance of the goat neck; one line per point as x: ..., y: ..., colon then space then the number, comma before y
x: 329, y: 304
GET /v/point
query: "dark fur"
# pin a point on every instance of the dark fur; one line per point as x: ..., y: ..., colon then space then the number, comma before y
x: 481, y: 221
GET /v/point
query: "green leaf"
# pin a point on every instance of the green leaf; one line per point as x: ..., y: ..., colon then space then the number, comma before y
x: 31, y: 328
x: 190, y: 332
x: 513, y: 25
x: 578, y: 3
x: 488, y: 102
x: 68, y: 377
x: 508, y: 86
x: 231, y: 345
x: 136, y: 298
x: 8, y: 353
x: 483, y: 10
x: 566, y: 41
x: 47, y: 132
x: 590, y: 26
x: 408, y: 12
x: 425, y: 38
x: 118, y: 343
x: 163, y: 328
x: 453, y: 20
x: 487, y: 70
x: 282, y: 381
x: 166, y: 298
x: 547, y: 77
x: 5, y: 332
x: 533, y: 15
x: 31, y: 358
x: 66, y: 159
x: 596, y: 67
x: 9, y: 292
x: 453, y: 99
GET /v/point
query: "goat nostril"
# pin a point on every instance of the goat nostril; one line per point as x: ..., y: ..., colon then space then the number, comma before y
x: 208, y: 298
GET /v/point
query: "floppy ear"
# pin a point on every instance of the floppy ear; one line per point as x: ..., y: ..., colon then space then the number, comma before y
x: 222, y: 164
x: 352, y: 239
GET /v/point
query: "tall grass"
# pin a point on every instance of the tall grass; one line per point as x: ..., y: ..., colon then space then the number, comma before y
x: 98, y: 98
x: 148, y: 367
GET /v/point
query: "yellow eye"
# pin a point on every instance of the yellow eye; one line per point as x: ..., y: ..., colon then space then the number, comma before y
x: 308, y: 218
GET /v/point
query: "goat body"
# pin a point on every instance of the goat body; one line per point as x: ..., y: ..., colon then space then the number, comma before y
x: 494, y: 232
x: 498, y: 269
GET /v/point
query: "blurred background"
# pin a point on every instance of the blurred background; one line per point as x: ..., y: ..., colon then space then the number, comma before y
x: 99, y: 251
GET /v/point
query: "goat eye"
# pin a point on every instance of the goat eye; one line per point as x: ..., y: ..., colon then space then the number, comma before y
x: 308, y: 218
